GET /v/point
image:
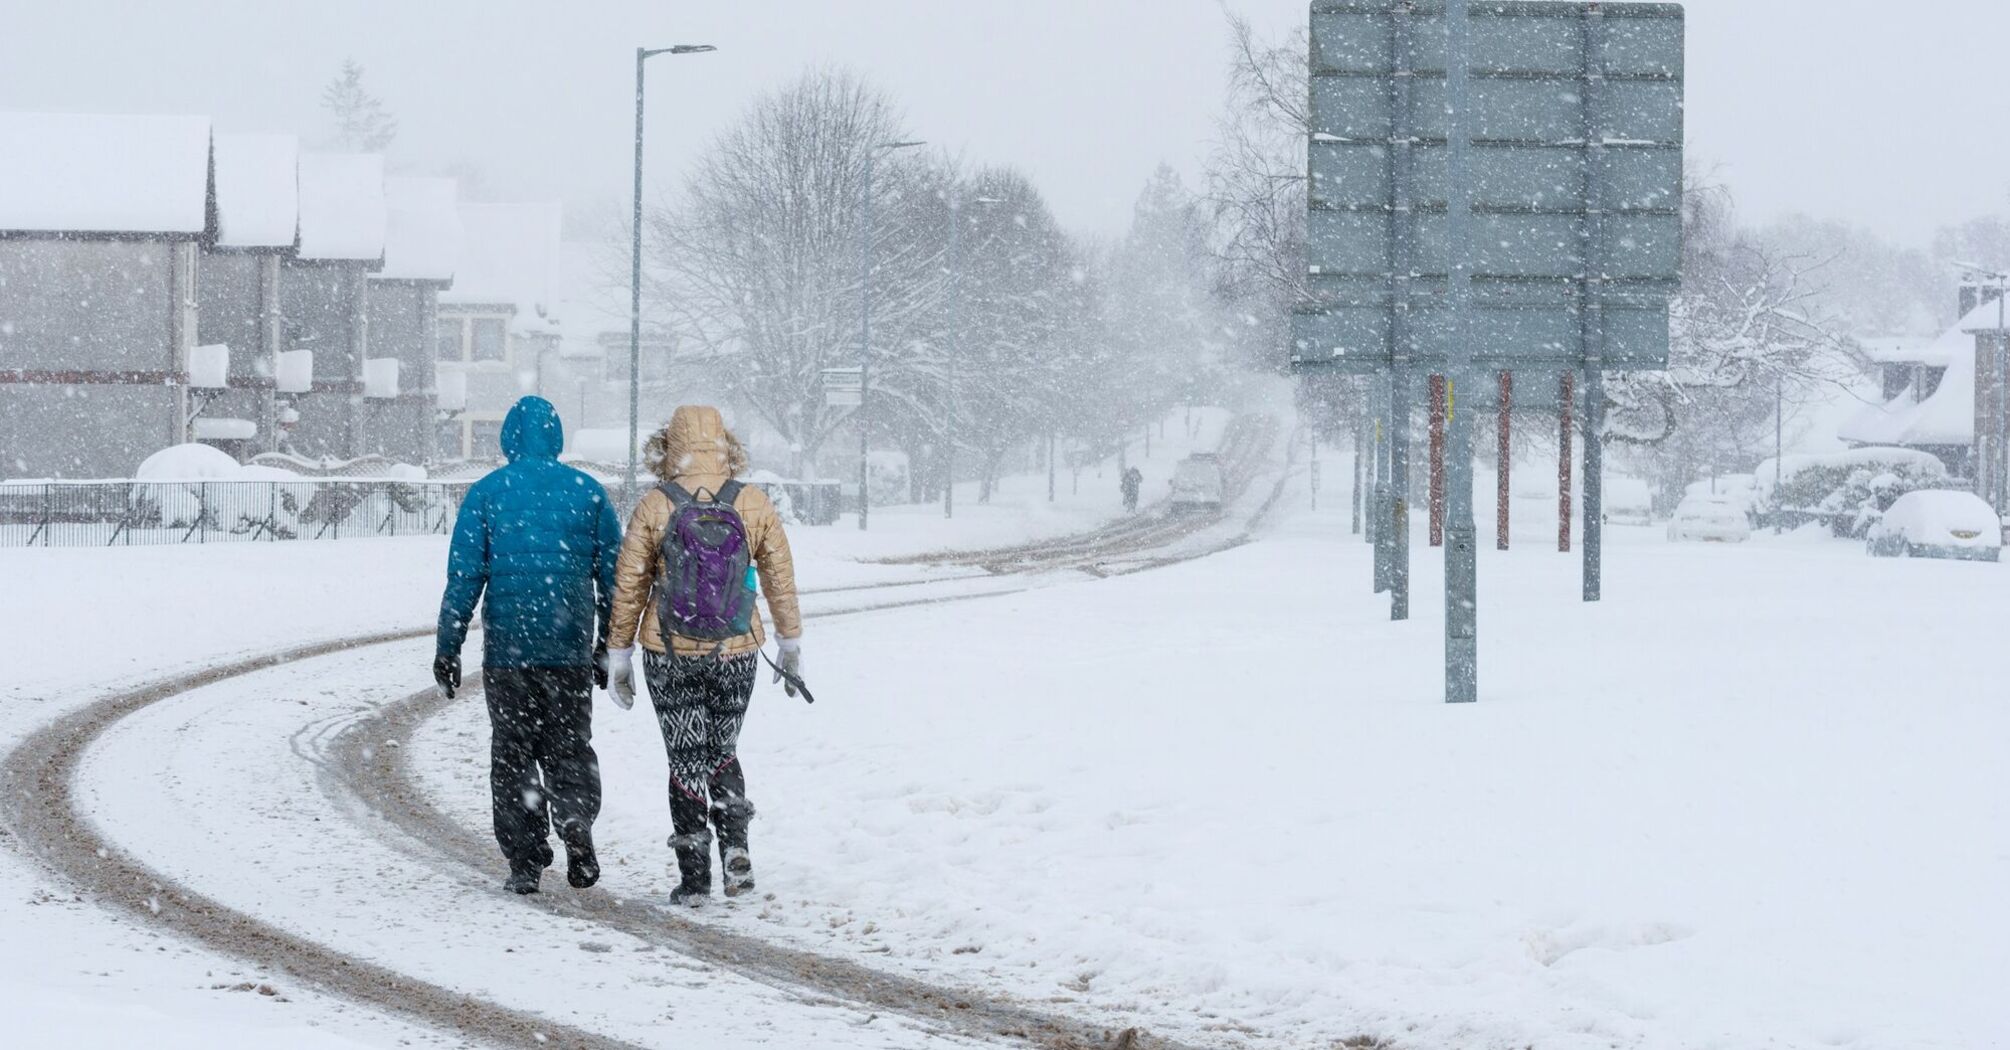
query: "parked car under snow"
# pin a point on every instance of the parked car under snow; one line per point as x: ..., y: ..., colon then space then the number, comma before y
x: 1710, y: 517
x: 1935, y: 523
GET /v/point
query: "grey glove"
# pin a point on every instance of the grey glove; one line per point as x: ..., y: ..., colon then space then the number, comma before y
x: 791, y: 662
x: 621, y: 677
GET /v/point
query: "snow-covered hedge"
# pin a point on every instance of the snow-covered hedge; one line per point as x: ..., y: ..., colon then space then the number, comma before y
x: 1848, y: 490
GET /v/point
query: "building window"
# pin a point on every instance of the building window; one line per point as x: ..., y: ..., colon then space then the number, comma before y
x: 491, y: 340
x: 448, y: 338
x: 485, y: 438
x: 447, y: 440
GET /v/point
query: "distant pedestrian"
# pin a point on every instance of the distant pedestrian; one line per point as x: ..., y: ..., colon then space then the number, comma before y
x: 696, y: 546
x: 536, y: 543
x: 1133, y: 480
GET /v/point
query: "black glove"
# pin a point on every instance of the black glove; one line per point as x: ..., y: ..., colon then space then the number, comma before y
x: 600, y: 666
x: 447, y: 672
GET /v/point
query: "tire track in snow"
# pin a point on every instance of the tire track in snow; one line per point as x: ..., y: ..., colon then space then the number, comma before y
x: 39, y: 805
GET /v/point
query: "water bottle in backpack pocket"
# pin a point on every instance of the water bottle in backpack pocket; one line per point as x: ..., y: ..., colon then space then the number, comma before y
x: 707, y: 587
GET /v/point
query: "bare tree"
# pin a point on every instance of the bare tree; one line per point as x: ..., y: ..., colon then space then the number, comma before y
x: 1256, y: 188
x: 758, y: 259
x: 1742, y: 329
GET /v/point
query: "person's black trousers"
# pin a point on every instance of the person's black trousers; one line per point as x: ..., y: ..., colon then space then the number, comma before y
x: 542, y: 769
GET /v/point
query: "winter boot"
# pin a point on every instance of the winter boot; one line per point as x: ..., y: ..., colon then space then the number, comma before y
x: 543, y: 855
x: 731, y: 813
x: 523, y: 876
x: 582, y: 867
x: 738, y: 870
x: 694, y: 864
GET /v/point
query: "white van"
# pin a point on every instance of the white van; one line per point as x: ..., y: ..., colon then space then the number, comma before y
x: 1196, y: 482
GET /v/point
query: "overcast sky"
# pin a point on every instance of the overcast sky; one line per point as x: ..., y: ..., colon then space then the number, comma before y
x: 1867, y: 110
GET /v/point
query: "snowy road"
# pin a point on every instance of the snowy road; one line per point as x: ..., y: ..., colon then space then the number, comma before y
x: 157, y: 843
x: 1730, y: 806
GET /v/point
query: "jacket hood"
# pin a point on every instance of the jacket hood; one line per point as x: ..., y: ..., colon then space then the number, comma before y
x: 532, y: 431
x: 695, y: 443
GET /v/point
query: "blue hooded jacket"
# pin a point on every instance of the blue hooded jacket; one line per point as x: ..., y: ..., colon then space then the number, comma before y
x: 541, y: 539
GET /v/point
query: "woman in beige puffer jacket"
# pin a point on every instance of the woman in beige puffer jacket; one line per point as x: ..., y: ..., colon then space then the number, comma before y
x: 700, y: 689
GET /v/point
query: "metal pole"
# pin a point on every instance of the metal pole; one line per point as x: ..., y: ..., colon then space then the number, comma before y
x: 1998, y: 423
x: 1437, y: 416
x: 1378, y: 518
x: 1504, y: 437
x: 1592, y: 330
x: 628, y: 491
x: 1360, y: 438
x: 1566, y: 397
x: 1594, y: 479
x: 864, y: 340
x: 1461, y: 565
x: 1399, y: 492
x: 955, y: 313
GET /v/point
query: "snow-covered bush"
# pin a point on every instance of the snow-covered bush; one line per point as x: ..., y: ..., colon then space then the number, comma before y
x: 1847, y: 490
x: 170, y: 493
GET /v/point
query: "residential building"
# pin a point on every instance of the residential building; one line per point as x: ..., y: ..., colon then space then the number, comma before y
x: 1934, y: 397
x: 325, y: 287
x: 422, y: 247
x: 237, y: 287
x: 498, y: 325
x: 101, y: 221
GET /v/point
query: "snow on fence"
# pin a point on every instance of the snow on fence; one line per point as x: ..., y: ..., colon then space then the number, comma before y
x: 131, y: 513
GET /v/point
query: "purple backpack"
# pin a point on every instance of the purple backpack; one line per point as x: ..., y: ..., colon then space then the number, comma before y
x: 706, y: 591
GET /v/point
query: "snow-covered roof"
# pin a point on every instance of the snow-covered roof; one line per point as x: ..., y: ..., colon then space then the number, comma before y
x: 100, y: 173
x: 1904, y: 350
x: 342, y: 206
x: 510, y: 254
x: 257, y: 191
x: 422, y: 235
x: 1947, y: 416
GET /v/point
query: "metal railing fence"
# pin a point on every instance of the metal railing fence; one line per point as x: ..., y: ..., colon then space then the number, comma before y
x: 133, y: 513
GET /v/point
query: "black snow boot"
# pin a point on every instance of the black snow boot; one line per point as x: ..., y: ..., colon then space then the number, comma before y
x: 694, y: 864
x: 738, y: 870
x: 544, y: 857
x: 731, y: 813
x: 523, y: 876
x: 582, y: 867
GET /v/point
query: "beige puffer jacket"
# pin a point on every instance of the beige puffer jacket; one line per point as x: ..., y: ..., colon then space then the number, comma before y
x: 696, y: 456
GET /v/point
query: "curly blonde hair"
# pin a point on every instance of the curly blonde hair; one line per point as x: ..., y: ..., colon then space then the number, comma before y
x: 667, y: 455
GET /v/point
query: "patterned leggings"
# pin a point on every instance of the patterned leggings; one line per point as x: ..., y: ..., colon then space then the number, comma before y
x: 701, y: 703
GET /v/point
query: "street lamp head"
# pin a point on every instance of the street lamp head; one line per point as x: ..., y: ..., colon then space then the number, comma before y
x: 675, y: 49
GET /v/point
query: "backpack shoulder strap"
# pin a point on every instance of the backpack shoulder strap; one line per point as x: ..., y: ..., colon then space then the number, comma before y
x: 676, y: 494
x: 729, y: 493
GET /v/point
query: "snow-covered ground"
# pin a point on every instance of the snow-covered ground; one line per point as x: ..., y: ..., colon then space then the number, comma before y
x: 77, y: 624
x: 1755, y: 797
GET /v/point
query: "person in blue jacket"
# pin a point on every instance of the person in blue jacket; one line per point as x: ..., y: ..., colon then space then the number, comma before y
x: 535, y: 542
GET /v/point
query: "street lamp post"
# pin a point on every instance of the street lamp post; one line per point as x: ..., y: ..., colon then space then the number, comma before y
x: 955, y: 319
x: 865, y: 326
x: 642, y: 56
